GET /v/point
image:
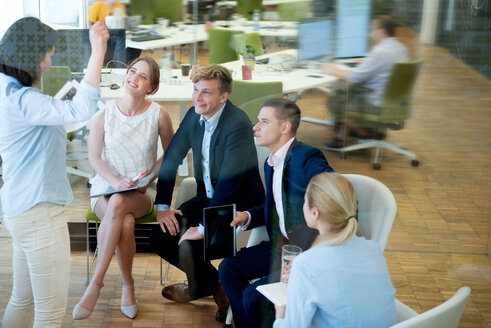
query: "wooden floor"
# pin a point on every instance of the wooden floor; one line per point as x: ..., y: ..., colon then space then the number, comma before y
x: 440, y: 238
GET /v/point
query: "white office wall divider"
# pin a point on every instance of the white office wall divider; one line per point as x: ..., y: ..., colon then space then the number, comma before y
x: 429, y: 21
x: 10, y: 11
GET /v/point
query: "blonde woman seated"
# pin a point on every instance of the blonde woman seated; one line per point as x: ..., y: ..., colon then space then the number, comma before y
x: 343, y: 280
x: 123, y: 143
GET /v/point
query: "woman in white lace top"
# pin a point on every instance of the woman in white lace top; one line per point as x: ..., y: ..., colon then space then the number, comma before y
x: 123, y: 143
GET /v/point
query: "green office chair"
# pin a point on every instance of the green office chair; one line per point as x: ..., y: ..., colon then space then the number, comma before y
x: 249, y: 96
x: 293, y: 11
x: 394, y: 111
x: 150, y: 218
x: 151, y: 9
x: 247, y: 7
x: 241, y: 40
x: 220, y: 45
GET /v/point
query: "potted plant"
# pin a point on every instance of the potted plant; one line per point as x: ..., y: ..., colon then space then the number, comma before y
x: 248, y: 55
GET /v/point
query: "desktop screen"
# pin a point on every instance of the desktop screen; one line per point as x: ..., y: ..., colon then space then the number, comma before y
x: 352, y: 28
x: 315, y: 38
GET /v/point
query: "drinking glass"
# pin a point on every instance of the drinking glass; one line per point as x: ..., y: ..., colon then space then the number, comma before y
x: 288, y: 253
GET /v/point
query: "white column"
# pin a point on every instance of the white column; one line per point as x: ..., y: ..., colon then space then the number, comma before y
x: 429, y: 21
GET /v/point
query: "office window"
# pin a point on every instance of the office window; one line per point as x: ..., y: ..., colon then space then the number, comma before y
x: 60, y: 13
x: 10, y: 11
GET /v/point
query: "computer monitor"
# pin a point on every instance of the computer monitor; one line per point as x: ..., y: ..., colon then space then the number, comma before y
x: 315, y: 38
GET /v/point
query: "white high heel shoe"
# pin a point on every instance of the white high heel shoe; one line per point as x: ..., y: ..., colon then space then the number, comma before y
x: 79, y: 313
x: 129, y: 310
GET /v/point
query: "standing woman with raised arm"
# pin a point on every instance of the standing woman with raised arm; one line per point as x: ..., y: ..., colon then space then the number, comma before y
x: 35, y: 185
x: 123, y: 143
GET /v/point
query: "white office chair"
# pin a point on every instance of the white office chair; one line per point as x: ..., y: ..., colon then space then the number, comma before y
x: 376, y: 208
x: 445, y: 315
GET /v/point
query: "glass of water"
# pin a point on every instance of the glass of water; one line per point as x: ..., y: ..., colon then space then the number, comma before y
x: 288, y: 253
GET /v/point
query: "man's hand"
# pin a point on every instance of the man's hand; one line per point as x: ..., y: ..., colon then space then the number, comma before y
x: 191, y: 234
x: 168, y: 219
x: 280, y: 311
x: 240, y: 219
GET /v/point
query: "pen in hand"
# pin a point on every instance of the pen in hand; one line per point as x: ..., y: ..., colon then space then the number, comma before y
x: 139, y: 176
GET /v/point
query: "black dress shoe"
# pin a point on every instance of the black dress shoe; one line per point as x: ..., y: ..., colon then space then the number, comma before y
x: 222, y: 303
x: 178, y: 293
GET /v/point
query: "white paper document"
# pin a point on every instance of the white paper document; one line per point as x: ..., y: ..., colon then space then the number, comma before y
x: 275, y: 292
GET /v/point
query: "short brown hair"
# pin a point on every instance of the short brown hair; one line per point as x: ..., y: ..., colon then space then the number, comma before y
x: 154, y: 71
x: 386, y: 23
x: 285, y: 110
x: 215, y: 72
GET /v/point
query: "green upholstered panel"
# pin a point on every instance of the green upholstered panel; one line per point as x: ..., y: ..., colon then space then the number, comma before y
x: 151, y: 9
x: 249, y: 96
x: 247, y: 7
x: 54, y: 78
x: 221, y: 46
x: 293, y: 11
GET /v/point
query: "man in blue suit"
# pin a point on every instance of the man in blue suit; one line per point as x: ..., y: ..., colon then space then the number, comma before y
x: 226, y: 172
x: 287, y: 171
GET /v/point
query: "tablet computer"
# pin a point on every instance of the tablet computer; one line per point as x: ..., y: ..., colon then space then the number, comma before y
x: 220, y: 239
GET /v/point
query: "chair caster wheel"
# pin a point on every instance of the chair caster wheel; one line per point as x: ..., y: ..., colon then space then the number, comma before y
x: 376, y: 166
x: 89, y: 184
x: 414, y: 162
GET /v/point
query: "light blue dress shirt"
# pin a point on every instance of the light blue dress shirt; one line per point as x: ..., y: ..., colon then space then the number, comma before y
x: 374, y: 70
x: 346, y: 285
x: 33, y: 143
x: 210, y: 127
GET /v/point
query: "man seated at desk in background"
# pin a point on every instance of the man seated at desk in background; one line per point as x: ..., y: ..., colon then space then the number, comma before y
x: 226, y: 172
x: 367, y: 81
x: 287, y: 172
x: 98, y: 12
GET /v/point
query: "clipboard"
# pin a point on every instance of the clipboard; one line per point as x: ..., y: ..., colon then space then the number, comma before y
x: 139, y: 184
x: 220, y: 240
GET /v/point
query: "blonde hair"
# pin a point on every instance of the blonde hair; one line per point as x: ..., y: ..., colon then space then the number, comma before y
x: 334, y: 197
x: 215, y: 72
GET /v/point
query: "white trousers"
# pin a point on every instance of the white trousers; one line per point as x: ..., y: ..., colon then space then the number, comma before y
x: 41, y: 267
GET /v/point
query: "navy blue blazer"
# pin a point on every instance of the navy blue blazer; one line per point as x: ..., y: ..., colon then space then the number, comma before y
x: 233, y: 160
x: 302, y: 162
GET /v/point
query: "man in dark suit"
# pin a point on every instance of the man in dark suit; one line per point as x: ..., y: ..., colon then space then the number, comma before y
x: 287, y: 171
x: 226, y: 172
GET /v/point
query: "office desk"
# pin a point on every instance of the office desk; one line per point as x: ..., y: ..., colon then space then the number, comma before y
x: 187, y: 34
x: 181, y: 88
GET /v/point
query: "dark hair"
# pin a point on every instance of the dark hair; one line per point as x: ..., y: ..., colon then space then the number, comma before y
x: 22, y: 48
x: 386, y: 23
x: 215, y: 72
x: 285, y: 110
x: 154, y: 71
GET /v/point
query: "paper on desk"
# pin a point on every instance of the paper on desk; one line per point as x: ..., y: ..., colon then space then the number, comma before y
x: 275, y: 292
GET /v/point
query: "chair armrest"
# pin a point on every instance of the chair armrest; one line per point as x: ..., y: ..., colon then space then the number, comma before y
x: 404, y: 312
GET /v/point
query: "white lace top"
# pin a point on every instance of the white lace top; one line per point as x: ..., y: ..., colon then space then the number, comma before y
x: 130, y: 144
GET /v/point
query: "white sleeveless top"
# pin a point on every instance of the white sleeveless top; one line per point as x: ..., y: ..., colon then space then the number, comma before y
x: 130, y: 145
